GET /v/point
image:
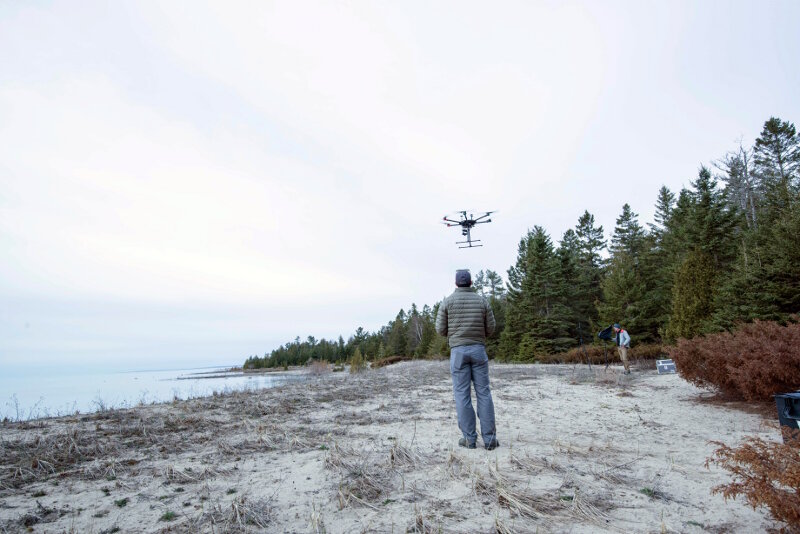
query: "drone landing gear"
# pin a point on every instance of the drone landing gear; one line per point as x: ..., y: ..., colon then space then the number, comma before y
x: 470, y: 244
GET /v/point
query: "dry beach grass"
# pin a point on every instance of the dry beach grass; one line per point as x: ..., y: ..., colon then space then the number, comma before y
x: 582, y: 451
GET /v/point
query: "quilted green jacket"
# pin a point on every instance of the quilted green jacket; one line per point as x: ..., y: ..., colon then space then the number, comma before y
x: 465, y: 318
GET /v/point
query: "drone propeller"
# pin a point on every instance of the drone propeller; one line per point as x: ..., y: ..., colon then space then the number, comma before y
x: 459, y: 213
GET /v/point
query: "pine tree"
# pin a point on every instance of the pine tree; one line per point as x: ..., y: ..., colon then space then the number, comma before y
x: 591, y: 244
x: 764, y: 281
x: 398, y: 342
x: 738, y: 175
x: 628, y: 234
x: 537, y: 319
x: 628, y: 281
x: 712, y: 221
x: 702, y: 234
x: 623, y: 294
x: 665, y: 203
x: 414, y: 329
x: 783, y: 269
x: 657, y: 271
x: 568, y: 253
x: 495, y: 283
x: 777, y: 164
x: 692, y: 298
x: 479, y: 283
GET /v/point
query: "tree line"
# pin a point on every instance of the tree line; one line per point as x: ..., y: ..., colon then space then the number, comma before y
x: 723, y: 251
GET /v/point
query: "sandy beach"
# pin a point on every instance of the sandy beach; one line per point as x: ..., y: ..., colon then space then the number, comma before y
x: 581, y: 451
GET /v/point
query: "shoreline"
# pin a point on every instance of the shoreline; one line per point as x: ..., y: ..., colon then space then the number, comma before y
x: 580, y: 452
x: 32, y: 397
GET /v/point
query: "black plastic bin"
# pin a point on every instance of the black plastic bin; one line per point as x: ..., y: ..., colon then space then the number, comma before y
x: 788, y: 405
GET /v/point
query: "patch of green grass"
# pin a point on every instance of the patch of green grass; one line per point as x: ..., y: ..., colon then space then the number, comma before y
x: 40, y: 493
x: 179, y: 490
x: 102, y: 513
x: 567, y: 497
x: 388, y: 501
x: 696, y: 524
x: 231, y: 491
x: 106, y: 491
x: 650, y: 492
x: 168, y: 516
x: 323, y: 447
x: 122, y: 503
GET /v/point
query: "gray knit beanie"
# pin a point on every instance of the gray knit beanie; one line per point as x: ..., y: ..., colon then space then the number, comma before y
x: 463, y: 278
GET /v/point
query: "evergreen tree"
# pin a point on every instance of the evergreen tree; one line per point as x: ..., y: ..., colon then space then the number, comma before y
x: 414, y: 329
x: 628, y: 235
x: 783, y: 268
x: 568, y: 254
x: 398, y: 342
x: 357, y: 362
x: 657, y: 271
x: 739, y: 184
x: 591, y: 244
x: 703, y: 231
x: 712, y: 221
x: 623, y: 293
x: 692, y: 299
x: 479, y: 283
x: 428, y: 335
x: 495, y: 283
x: 628, y: 280
x: 777, y: 164
x: 665, y: 203
x: 537, y: 320
x: 341, y: 354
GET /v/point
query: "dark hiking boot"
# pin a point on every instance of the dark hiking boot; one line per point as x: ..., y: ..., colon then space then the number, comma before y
x: 492, y: 445
x: 464, y: 443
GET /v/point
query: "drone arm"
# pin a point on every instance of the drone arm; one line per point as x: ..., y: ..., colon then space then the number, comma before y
x: 450, y: 220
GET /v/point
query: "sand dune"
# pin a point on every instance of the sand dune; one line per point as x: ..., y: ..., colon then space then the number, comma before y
x: 582, y: 451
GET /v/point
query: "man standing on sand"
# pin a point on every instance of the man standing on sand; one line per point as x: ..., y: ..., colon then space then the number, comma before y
x: 466, y: 318
x: 623, y: 341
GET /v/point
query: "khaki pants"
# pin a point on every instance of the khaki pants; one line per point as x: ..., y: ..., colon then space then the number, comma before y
x: 623, y: 354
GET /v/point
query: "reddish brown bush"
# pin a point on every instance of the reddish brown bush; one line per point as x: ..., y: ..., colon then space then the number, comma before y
x: 766, y: 473
x: 595, y: 354
x: 753, y: 363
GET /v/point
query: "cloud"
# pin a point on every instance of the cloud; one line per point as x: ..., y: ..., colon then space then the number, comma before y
x: 286, y: 163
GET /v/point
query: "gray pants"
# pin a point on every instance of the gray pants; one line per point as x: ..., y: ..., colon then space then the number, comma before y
x: 470, y: 365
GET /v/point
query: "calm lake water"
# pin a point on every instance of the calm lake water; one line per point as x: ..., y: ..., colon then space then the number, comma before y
x: 30, y: 395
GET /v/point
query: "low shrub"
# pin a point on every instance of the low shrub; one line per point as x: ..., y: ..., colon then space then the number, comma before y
x: 766, y: 474
x: 595, y: 354
x: 357, y: 362
x: 752, y: 363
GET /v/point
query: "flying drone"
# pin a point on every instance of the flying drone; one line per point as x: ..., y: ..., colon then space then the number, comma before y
x: 466, y: 224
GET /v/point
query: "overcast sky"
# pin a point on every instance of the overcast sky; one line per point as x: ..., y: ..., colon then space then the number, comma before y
x: 190, y: 183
